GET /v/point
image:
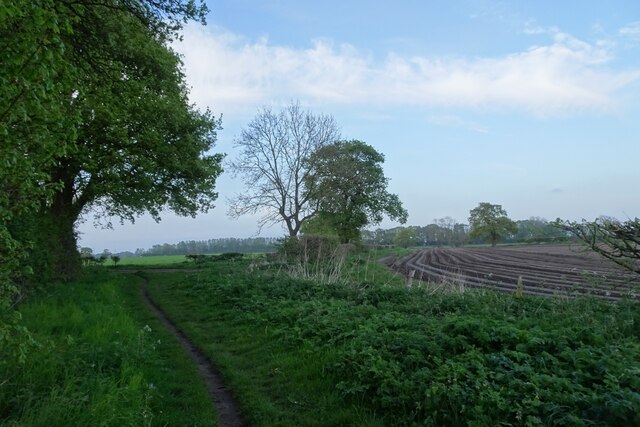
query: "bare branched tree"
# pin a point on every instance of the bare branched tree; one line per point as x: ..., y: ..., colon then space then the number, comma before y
x: 274, y: 148
x: 615, y: 240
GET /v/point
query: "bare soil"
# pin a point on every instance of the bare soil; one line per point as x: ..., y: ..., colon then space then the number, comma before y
x: 541, y: 269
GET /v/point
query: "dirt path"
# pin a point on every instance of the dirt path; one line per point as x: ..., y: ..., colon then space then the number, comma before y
x: 223, y: 400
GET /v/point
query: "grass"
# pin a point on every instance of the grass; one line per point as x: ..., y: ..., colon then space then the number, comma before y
x: 373, y: 353
x: 263, y: 372
x: 157, y: 260
x: 102, y: 359
x: 172, y: 261
x: 360, y: 351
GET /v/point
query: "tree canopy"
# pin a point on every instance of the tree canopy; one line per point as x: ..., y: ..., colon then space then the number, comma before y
x: 274, y: 147
x: 490, y: 221
x: 94, y: 114
x: 347, y: 185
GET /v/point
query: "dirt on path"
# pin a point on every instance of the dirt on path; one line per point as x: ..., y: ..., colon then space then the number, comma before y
x: 224, y: 402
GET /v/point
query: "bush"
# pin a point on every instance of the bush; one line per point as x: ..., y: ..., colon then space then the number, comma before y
x: 308, y: 247
x: 228, y: 256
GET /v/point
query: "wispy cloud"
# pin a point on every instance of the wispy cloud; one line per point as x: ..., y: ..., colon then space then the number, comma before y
x: 631, y: 31
x: 566, y: 75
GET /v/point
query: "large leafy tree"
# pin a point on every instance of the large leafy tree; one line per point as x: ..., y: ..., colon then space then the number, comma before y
x: 35, y: 121
x: 103, y: 121
x: 347, y: 185
x: 491, y: 221
x: 274, y: 148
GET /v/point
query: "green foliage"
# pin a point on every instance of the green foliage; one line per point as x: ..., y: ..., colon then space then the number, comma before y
x: 34, y: 86
x: 202, y: 259
x: 412, y: 357
x: 153, y: 261
x: 539, y: 230
x: 348, y: 185
x: 405, y: 237
x: 85, y: 88
x: 102, y: 359
x: 211, y: 246
x: 490, y: 221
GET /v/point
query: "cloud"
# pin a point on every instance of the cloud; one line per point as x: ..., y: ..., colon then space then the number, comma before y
x: 557, y: 190
x: 229, y: 72
x: 631, y: 31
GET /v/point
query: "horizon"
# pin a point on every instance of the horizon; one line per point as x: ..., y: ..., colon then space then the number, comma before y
x: 530, y: 106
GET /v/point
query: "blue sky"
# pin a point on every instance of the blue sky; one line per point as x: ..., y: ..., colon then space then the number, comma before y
x: 532, y: 105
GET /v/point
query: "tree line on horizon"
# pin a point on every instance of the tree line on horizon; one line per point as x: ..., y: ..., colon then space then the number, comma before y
x: 442, y: 232
x: 213, y: 246
x: 448, y: 232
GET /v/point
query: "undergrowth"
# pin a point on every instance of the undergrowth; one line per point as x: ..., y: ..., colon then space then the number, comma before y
x: 101, y: 359
x: 401, y: 356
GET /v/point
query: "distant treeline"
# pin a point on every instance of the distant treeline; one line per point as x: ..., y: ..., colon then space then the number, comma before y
x: 443, y: 232
x: 212, y: 246
x: 448, y: 232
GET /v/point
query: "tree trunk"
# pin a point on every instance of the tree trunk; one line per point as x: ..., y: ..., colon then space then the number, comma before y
x: 55, y: 246
x: 55, y: 253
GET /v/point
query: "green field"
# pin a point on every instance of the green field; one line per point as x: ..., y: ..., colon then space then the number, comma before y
x: 362, y: 350
x: 162, y: 260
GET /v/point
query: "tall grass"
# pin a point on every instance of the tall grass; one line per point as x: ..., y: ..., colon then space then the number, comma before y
x: 302, y: 352
x: 102, y: 359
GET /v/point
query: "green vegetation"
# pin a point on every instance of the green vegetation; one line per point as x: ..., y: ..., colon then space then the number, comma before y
x: 212, y: 246
x: 158, y: 261
x: 302, y: 353
x: 448, y: 232
x: 347, y: 184
x: 273, y: 149
x: 102, y: 359
x: 490, y: 221
x: 94, y: 113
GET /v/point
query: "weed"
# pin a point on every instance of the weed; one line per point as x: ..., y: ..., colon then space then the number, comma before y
x: 425, y: 356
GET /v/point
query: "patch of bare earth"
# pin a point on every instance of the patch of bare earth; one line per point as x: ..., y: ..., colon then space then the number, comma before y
x: 539, y: 270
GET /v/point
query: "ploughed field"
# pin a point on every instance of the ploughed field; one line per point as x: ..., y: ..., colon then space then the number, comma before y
x: 542, y: 270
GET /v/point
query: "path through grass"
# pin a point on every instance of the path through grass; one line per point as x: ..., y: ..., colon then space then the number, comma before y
x: 303, y: 353
x: 103, y: 359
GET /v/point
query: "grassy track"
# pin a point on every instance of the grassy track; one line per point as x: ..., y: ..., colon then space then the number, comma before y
x: 276, y: 383
x: 103, y: 360
x: 301, y: 353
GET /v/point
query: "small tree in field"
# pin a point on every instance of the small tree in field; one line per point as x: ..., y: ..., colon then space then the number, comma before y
x: 491, y: 221
x: 115, y: 259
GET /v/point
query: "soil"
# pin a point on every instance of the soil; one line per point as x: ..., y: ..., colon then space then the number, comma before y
x: 539, y: 270
x: 226, y: 405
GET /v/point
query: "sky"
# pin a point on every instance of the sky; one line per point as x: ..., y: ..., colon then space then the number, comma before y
x: 533, y: 105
